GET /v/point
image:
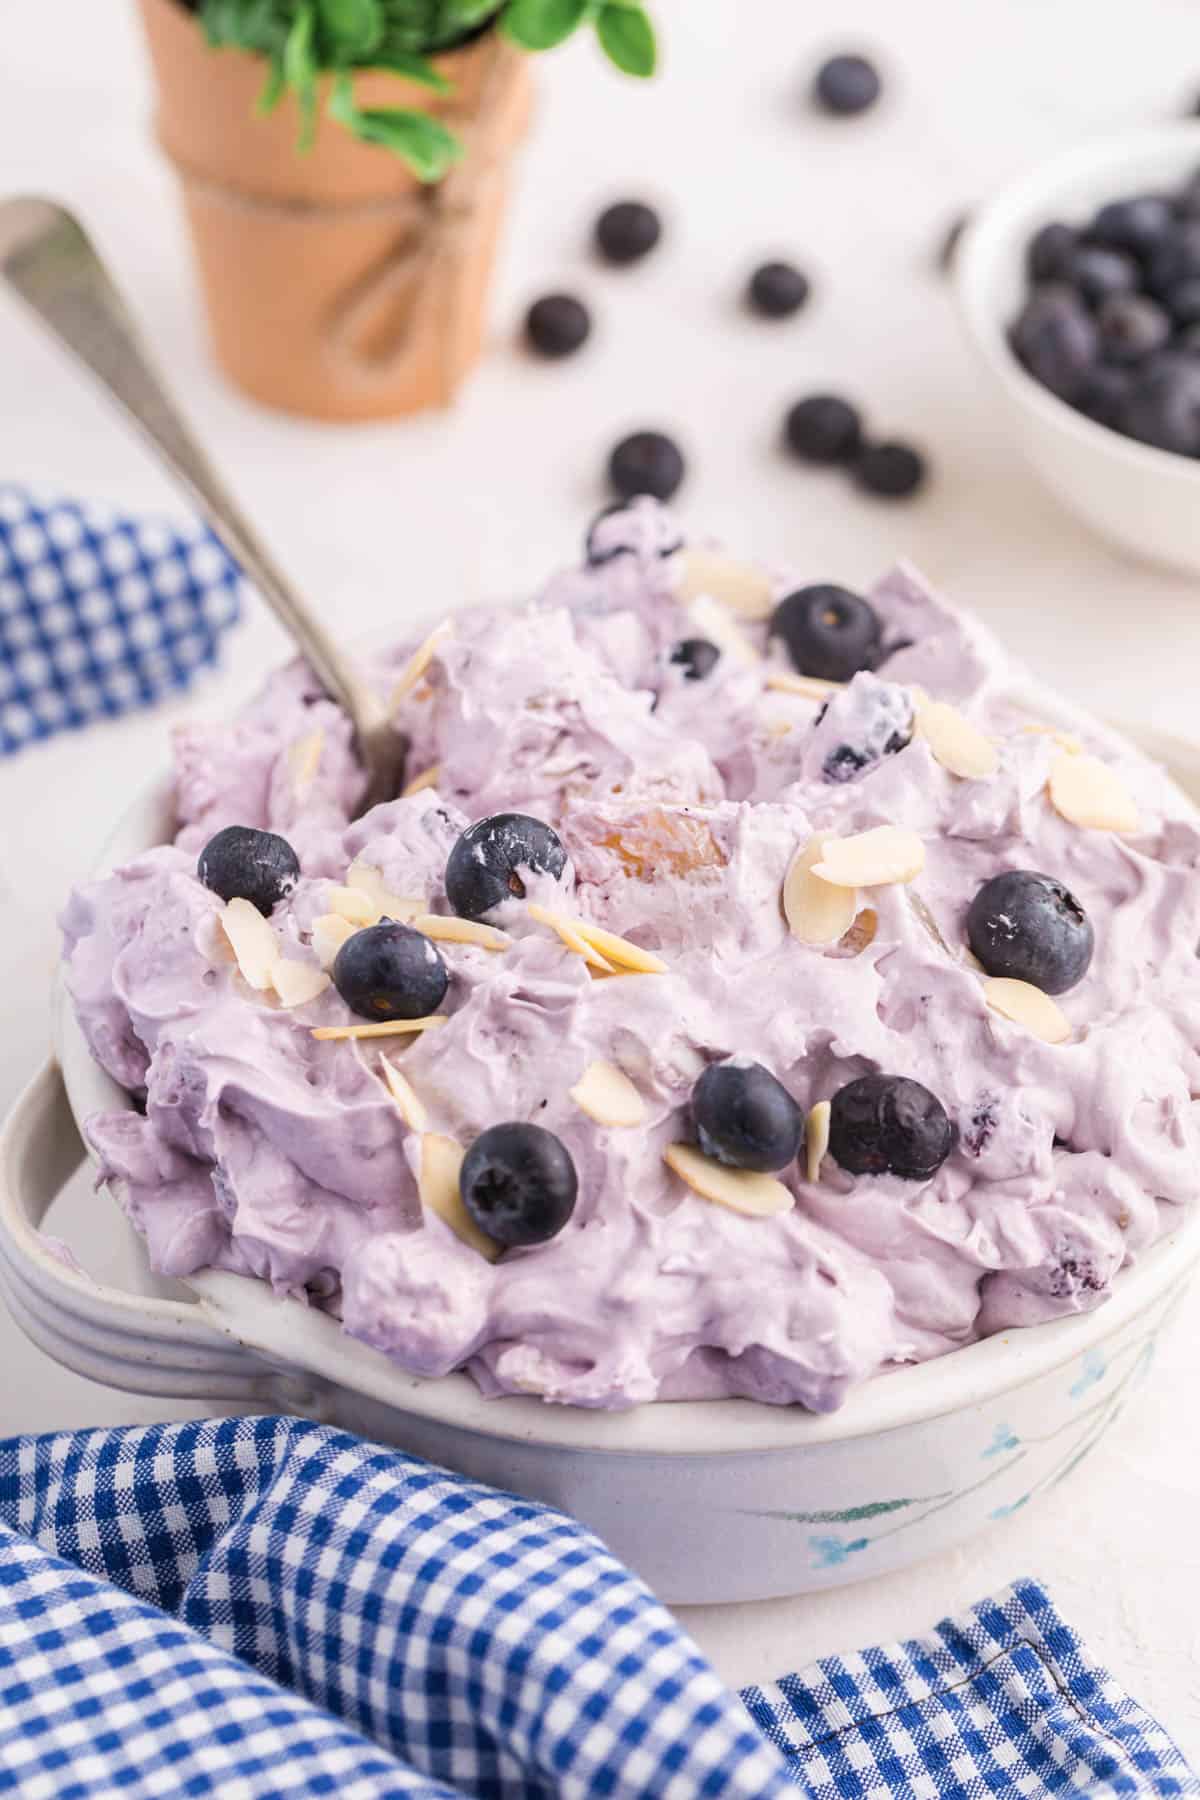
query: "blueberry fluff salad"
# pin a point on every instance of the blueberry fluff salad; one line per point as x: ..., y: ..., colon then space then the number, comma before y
x: 759, y: 985
x: 1111, y: 318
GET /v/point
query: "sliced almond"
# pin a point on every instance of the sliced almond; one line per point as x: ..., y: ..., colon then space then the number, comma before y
x: 329, y: 933
x: 619, y: 950
x: 737, y: 585
x: 1063, y: 739
x: 817, y: 912
x: 353, y: 905
x: 297, y: 983
x: 741, y: 1190
x: 808, y: 687
x: 438, y: 1186
x: 428, y: 778
x: 958, y: 745
x: 452, y: 930
x: 252, y: 941
x: 1026, y: 1005
x: 606, y: 1094
x: 715, y: 623
x: 369, y: 880
x: 816, y: 1139
x: 568, y: 932
x: 419, y: 662
x: 409, y: 1105
x: 1089, y: 793
x: 385, y: 1028
x: 874, y: 858
x: 304, y: 759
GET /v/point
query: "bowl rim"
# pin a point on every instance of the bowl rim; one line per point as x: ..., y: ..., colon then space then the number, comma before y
x: 991, y: 238
x: 249, y: 1312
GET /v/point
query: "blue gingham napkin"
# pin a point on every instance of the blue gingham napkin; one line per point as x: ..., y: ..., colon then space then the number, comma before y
x: 100, y: 613
x: 266, y: 1607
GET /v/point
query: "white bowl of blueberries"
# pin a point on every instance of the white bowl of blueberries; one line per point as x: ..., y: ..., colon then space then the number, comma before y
x: 1080, y: 287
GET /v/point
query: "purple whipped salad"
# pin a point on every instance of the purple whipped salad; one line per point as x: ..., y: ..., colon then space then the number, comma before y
x: 684, y: 787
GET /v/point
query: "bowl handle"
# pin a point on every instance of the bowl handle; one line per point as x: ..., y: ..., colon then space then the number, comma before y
x: 146, y: 1346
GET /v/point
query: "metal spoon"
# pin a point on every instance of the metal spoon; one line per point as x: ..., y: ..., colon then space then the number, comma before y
x: 48, y: 259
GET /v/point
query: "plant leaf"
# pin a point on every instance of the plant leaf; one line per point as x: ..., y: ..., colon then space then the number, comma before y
x: 424, y: 144
x: 350, y: 29
x: 541, y: 24
x: 300, y: 68
x: 272, y: 89
x: 627, y: 38
x: 412, y: 67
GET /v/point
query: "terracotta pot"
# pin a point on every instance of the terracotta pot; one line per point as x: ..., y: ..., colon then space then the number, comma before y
x: 337, y: 285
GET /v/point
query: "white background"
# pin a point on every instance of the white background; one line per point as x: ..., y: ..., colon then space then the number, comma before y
x: 384, y: 521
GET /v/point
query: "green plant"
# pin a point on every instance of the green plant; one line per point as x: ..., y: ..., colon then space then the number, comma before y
x: 303, y: 39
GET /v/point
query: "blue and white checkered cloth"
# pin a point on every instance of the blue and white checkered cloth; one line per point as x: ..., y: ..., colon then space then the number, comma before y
x: 265, y: 1607
x: 100, y: 613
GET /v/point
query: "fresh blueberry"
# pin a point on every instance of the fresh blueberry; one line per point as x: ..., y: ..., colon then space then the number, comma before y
x: 519, y: 1184
x: 888, y: 1125
x: 1103, y: 394
x: 1164, y: 405
x: 1056, y: 339
x: 1183, y: 302
x: 241, y: 863
x: 637, y: 527
x: 1188, y: 341
x: 484, y: 867
x: 647, y: 462
x: 823, y: 429
x: 1029, y: 927
x: 745, y: 1118
x: 1136, y: 225
x: 1050, y: 251
x: 1097, y: 273
x: 829, y: 632
x: 846, y: 85
x: 627, y: 231
x: 777, y: 290
x: 557, y: 324
x: 697, y: 656
x: 1177, y: 259
x: 390, y: 971
x: 893, y: 471
x: 1131, y: 327
x: 1187, y: 199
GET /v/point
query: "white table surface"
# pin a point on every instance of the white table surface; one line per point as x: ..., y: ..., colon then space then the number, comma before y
x: 381, y: 521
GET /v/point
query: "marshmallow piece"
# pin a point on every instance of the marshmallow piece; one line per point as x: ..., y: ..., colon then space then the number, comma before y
x: 875, y: 858
x: 418, y: 662
x: 448, y: 929
x: 1088, y: 793
x: 713, y: 622
x: 297, y: 983
x: 1027, y: 1006
x: 741, y: 1190
x: 957, y: 745
x: 408, y: 1103
x: 816, y: 1139
x: 606, y: 1094
x: 438, y: 1185
x: 329, y: 933
x: 817, y: 912
x: 252, y: 941
x: 737, y: 585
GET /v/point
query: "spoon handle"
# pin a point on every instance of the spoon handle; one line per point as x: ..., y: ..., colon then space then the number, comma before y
x: 51, y: 263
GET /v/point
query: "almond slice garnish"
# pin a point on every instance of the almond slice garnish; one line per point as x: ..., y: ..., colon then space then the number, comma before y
x: 252, y: 941
x: 408, y: 1103
x: 426, y: 779
x: 809, y: 687
x: 876, y: 858
x: 741, y: 1190
x: 438, y: 1185
x: 1088, y: 793
x: 606, y: 1094
x: 816, y: 1139
x: 385, y: 1028
x: 297, y: 983
x: 329, y: 933
x: 957, y: 745
x: 567, y: 931
x: 304, y: 759
x: 353, y: 905
x: 1063, y: 739
x: 449, y: 929
x: 619, y: 950
x: 737, y: 585
x: 713, y: 621
x: 419, y: 662
x: 1027, y: 1005
x: 817, y: 912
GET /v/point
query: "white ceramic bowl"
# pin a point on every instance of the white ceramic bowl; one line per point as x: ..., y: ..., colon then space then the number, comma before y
x: 1145, y: 500
x: 717, y: 1500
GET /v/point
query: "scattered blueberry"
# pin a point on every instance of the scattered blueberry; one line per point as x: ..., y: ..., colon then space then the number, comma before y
x: 888, y: 1125
x: 390, y: 971
x: 1096, y: 273
x: 745, y: 1118
x: 1136, y: 225
x: 891, y: 470
x: 1176, y: 259
x: 1131, y: 327
x: 557, y: 324
x: 1050, y: 251
x: 240, y: 863
x: 1189, y: 339
x: 951, y: 238
x: 1029, y: 927
x: 484, y: 867
x: 1055, y: 338
x: 1183, y: 302
x: 823, y: 429
x: 519, y: 1184
x: 631, y: 528
x: 980, y: 1127
x: 627, y: 231
x: 647, y: 462
x: 829, y: 632
x: 777, y: 290
x: 1164, y: 405
x: 846, y: 85
x: 698, y: 657
x: 1103, y: 394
